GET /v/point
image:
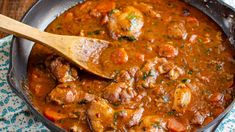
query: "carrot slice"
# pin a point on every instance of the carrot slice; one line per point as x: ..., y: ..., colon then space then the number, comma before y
x: 175, y: 125
x: 53, y: 115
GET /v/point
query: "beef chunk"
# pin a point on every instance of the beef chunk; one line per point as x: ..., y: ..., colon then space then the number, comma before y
x: 69, y: 93
x: 119, y: 93
x: 198, y: 118
x: 61, y: 69
x: 177, y: 30
x: 147, y: 75
x: 168, y: 51
x: 135, y: 117
x: 128, y: 117
x: 175, y: 73
x: 126, y: 75
x: 100, y: 115
x: 165, y: 67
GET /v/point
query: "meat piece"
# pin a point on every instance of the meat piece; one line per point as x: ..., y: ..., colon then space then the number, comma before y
x: 175, y: 125
x: 128, y: 117
x: 77, y: 128
x: 119, y: 93
x: 182, y: 98
x: 126, y: 75
x: 135, y: 117
x: 198, y: 118
x: 68, y: 93
x: 61, y: 69
x: 100, y: 115
x: 146, y: 77
x: 217, y: 97
x: 177, y: 30
x: 165, y: 68
x: 147, y: 9
x: 126, y: 23
x: 175, y: 73
x: 151, y: 123
x: 168, y: 51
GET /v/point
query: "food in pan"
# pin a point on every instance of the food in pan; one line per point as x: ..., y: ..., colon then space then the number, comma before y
x: 173, y: 69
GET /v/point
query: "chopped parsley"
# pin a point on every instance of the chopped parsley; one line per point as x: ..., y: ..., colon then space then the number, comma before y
x: 171, y: 113
x: 113, y: 12
x: 151, y: 73
x: 131, y: 16
x: 115, y: 118
x: 96, y: 32
x: 83, y: 101
x: 190, y: 72
x: 156, y: 124
x: 128, y: 38
x: 219, y: 67
x: 199, y: 40
x: 116, y: 104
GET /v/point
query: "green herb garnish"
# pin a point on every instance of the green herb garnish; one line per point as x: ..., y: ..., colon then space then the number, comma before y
x: 83, y: 101
x: 128, y: 38
x: 156, y: 124
x: 190, y: 72
x: 171, y: 113
x: 96, y: 32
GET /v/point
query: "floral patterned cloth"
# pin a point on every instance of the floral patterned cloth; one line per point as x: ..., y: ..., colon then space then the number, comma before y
x: 14, y: 115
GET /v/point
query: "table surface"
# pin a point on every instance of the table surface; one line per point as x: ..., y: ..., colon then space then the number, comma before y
x: 14, y: 9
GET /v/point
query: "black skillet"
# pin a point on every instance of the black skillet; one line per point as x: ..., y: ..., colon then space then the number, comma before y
x: 45, y: 11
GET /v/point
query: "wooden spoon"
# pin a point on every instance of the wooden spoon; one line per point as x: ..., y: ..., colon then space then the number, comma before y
x: 76, y: 49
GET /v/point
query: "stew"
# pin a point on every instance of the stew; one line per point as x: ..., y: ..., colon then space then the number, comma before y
x: 173, y: 69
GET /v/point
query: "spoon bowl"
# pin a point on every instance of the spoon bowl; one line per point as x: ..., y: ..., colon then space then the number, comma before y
x: 76, y: 49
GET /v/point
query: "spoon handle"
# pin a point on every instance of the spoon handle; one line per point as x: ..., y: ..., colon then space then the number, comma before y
x: 19, y: 29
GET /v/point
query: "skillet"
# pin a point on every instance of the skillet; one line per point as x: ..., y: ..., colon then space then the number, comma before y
x: 44, y: 12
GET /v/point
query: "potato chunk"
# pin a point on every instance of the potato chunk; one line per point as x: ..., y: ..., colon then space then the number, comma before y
x: 182, y: 98
x: 152, y: 123
x: 126, y: 23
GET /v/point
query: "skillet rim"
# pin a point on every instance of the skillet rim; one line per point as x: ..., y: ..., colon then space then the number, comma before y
x: 50, y: 125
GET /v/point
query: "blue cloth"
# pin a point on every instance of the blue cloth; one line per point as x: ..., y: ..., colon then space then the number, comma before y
x: 14, y: 115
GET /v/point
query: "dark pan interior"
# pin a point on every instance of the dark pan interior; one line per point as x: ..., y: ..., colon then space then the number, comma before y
x: 45, y: 11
